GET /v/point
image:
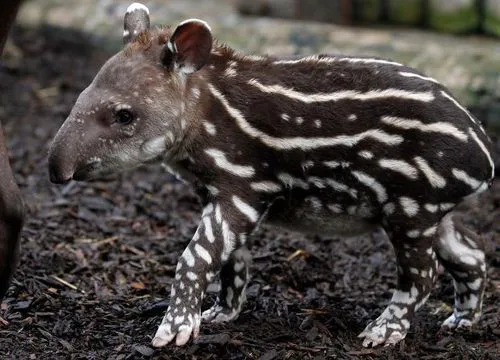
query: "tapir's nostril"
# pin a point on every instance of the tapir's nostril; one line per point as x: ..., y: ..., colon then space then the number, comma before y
x: 58, y: 177
x: 58, y: 173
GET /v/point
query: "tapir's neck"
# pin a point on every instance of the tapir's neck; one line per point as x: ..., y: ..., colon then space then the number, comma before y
x: 208, y: 124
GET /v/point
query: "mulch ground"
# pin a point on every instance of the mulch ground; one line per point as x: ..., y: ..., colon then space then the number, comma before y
x: 98, y: 259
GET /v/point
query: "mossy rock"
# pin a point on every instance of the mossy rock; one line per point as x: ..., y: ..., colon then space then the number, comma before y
x: 405, y: 12
x: 491, y: 23
x: 455, y: 16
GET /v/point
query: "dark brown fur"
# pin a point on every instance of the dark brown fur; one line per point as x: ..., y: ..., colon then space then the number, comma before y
x: 305, y: 144
x: 11, y: 204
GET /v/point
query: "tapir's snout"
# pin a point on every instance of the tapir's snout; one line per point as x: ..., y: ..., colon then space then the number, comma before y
x: 60, y: 170
x: 73, y: 157
x: 62, y: 157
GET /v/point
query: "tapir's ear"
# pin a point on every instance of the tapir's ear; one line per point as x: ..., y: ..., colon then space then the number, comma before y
x: 135, y: 22
x: 189, y: 47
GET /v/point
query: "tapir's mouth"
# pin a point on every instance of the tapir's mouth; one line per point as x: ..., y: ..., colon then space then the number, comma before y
x: 88, y: 172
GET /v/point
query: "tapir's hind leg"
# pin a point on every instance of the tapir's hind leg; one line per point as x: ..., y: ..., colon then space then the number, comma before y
x: 461, y: 253
x: 417, y: 265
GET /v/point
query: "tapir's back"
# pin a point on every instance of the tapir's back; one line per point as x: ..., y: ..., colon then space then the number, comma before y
x: 355, y: 119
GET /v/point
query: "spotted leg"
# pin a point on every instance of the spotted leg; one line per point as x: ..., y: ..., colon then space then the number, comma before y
x: 461, y: 253
x: 417, y: 265
x: 234, y: 278
x: 222, y: 229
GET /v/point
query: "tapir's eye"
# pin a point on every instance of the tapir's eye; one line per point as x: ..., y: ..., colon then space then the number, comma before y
x: 124, y: 117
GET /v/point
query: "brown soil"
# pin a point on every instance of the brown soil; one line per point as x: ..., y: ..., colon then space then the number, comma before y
x: 98, y: 258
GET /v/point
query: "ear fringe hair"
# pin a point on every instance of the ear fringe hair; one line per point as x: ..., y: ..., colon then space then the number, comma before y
x: 145, y: 39
x: 161, y: 34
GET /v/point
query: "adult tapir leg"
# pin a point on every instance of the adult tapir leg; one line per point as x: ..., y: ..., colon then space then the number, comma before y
x: 11, y: 205
x: 11, y: 219
x: 8, y: 11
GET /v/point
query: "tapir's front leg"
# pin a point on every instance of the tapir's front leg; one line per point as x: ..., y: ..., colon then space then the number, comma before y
x: 223, y: 228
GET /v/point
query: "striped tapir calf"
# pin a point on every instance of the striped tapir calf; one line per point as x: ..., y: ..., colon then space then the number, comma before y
x: 330, y: 144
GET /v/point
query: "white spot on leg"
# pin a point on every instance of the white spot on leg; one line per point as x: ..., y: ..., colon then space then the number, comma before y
x: 218, y: 214
x: 188, y: 257
x: 403, y: 297
x: 450, y: 247
x: 207, y: 210
x: 398, y: 311
x: 191, y: 276
x: 430, y: 231
x: 475, y: 285
x: 179, y: 319
x: 238, y: 266
x: 413, y: 234
x: 209, y: 234
x: 203, y: 253
x: 229, y: 238
x: 238, y: 282
x: 229, y: 296
x: 209, y: 276
x: 163, y: 335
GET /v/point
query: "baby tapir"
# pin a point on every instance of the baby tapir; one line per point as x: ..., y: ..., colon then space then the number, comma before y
x: 330, y: 144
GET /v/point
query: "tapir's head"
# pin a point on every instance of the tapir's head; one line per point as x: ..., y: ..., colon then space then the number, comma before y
x: 137, y: 108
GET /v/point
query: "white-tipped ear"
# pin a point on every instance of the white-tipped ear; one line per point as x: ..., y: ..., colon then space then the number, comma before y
x: 136, y: 21
x: 199, y: 21
x: 189, y: 47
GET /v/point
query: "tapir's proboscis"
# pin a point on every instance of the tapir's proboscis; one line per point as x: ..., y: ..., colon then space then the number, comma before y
x: 336, y: 145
